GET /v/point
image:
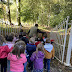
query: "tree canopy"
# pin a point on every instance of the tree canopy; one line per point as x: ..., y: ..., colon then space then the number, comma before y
x: 43, y: 12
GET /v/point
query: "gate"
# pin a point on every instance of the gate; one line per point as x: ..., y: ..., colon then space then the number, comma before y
x: 62, y: 41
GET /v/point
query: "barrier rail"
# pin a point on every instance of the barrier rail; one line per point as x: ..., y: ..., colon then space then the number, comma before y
x: 61, y: 45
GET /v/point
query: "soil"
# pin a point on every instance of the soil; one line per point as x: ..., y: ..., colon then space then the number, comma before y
x: 56, y: 66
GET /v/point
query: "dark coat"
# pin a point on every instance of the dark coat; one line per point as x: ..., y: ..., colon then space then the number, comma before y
x: 25, y: 40
x: 30, y: 48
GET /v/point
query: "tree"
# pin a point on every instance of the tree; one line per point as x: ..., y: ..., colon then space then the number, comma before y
x: 18, y: 2
x: 44, y: 12
x: 9, y: 16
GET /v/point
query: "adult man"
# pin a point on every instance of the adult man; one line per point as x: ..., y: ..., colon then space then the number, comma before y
x: 34, y: 30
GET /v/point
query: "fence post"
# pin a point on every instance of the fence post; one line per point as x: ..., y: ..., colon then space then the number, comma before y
x: 9, y: 29
x: 69, y: 48
x: 65, y: 38
x: 2, y: 26
x: 15, y: 29
x: 5, y: 28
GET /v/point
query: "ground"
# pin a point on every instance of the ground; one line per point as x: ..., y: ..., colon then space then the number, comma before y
x: 56, y: 66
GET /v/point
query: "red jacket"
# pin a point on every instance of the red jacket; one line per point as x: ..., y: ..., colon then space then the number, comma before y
x: 4, y: 50
x: 37, y: 43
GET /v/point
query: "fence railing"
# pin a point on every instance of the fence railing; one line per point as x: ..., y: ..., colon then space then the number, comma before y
x: 60, y: 36
x: 6, y: 28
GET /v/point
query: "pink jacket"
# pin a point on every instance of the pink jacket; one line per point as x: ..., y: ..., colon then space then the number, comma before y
x: 15, y: 63
x: 4, y: 50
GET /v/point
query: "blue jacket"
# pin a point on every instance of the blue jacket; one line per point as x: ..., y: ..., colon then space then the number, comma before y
x: 30, y: 48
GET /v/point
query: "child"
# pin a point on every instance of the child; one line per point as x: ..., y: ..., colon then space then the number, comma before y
x: 4, y: 50
x: 49, y: 53
x: 37, y: 42
x: 39, y: 39
x: 37, y: 57
x: 10, y: 45
x: 45, y: 37
x: 20, y: 34
x: 14, y: 38
x: 17, y: 36
x: 52, y: 41
x: 31, y: 47
x: 24, y: 38
x: 17, y: 57
x: 9, y: 41
x: 6, y: 37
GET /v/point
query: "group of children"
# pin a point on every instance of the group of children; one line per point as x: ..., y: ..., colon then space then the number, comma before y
x: 18, y: 52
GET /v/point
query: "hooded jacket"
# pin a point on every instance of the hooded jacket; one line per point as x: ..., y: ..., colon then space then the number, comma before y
x: 37, y: 58
x: 4, y: 50
x: 16, y: 64
x: 49, y: 50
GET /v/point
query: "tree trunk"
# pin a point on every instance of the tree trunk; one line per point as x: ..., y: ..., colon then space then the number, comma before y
x: 3, y: 12
x: 18, y: 12
x: 9, y: 16
x: 49, y: 16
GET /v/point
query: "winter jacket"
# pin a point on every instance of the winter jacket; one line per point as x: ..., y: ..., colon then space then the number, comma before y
x: 4, y: 50
x: 30, y: 48
x: 49, y: 51
x: 37, y: 58
x: 16, y: 64
x: 37, y: 43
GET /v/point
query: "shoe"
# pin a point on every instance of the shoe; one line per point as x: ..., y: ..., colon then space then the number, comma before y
x: 29, y: 68
x: 45, y: 69
x: 48, y: 70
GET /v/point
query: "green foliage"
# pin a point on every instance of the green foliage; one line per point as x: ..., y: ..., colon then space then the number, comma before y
x: 13, y: 11
x: 45, y: 12
x: 56, y: 8
x: 1, y: 13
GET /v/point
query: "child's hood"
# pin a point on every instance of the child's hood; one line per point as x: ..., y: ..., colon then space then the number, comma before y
x: 48, y: 47
x: 40, y: 54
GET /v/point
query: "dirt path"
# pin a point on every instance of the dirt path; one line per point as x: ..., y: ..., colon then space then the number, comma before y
x: 55, y: 66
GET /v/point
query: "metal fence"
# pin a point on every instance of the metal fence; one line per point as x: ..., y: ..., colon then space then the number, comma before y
x: 5, y: 28
x: 61, y: 41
